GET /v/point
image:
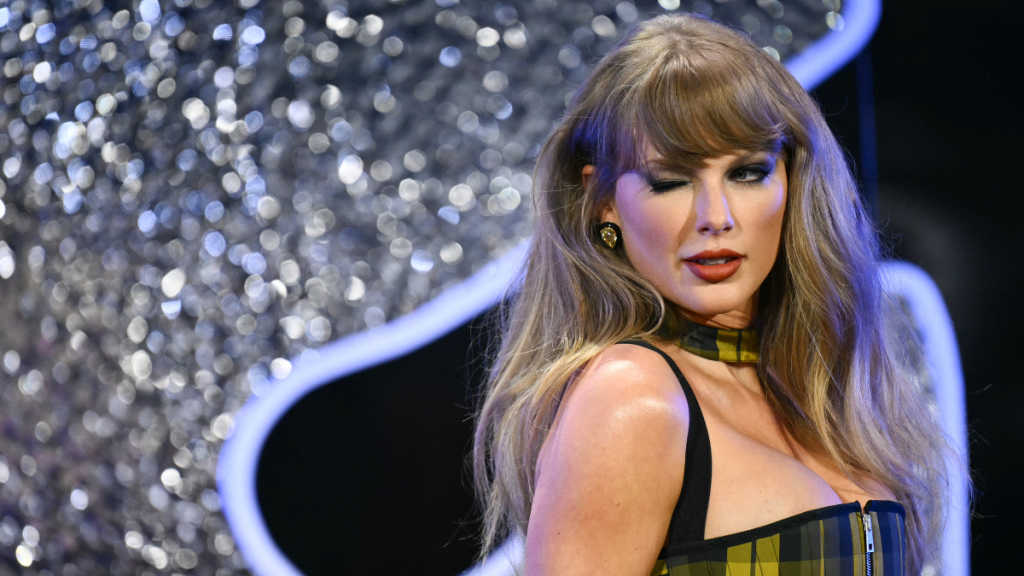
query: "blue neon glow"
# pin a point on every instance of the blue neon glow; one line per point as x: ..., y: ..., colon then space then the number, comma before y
x: 239, y: 457
x: 827, y: 55
x: 942, y: 356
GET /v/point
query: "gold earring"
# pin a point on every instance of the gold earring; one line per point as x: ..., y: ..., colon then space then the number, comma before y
x: 610, y: 234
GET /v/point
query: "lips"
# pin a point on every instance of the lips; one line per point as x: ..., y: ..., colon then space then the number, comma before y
x: 714, y: 265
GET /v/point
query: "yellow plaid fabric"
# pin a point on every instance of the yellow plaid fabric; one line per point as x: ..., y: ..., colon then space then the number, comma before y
x: 826, y: 542
x: 712, y: 343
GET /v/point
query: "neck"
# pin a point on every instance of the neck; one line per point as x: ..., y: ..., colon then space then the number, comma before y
x: 732, y: 320
x: 697, y: 335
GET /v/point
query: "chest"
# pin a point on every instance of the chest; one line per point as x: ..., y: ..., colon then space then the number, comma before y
x: 760, y: 473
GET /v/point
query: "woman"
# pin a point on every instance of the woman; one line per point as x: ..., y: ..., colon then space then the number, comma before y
x: 702, y: 282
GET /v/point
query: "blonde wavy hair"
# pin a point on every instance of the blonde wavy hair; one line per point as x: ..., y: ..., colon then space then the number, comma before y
x: 832, y: 366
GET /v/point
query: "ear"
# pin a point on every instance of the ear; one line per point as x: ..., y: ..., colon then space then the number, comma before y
x: 607, y: 211
x: 587, y: 171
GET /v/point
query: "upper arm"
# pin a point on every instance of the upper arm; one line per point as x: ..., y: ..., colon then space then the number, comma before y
x: 610, y: 471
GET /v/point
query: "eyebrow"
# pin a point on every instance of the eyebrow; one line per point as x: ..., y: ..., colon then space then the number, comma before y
x: 661, y: 165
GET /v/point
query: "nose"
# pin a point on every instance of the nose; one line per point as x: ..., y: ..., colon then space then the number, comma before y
x: 713, y: 214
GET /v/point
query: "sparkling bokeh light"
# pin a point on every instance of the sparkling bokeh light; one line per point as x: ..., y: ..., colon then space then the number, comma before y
x: 195, y: 194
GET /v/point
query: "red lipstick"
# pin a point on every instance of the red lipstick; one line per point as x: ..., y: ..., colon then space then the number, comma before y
x: 714, y: 265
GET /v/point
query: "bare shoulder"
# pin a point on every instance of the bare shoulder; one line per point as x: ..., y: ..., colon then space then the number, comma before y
x: 628, y: 372
x: 609, y: 473
x: 627, y: 401
x: 624, y: 385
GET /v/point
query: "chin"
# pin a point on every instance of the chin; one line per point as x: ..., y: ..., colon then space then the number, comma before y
x: 714, y: 300
x: 708, y: 311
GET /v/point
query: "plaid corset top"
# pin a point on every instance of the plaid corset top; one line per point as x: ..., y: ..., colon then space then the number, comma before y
x: 840, y: 540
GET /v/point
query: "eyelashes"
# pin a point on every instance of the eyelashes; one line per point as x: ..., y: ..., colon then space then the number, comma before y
x: 751, y: 174
x: 662, y: 186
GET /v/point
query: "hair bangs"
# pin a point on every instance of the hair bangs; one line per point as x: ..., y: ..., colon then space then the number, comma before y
x: 687, y: 111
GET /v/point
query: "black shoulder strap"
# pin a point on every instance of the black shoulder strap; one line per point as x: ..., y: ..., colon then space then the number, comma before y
x: 691, y: 512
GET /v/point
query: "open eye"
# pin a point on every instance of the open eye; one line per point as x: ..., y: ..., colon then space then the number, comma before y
x: 751, y: 173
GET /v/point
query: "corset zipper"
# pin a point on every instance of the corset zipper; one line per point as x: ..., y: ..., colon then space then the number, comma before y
x: 869, y: 544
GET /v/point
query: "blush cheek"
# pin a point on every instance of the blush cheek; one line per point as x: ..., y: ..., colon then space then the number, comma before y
x: 642, y: 247
x: 769, y: 227
x: 650, y: 242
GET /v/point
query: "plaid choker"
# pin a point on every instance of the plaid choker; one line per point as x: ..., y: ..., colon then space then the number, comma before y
x: 713, y: 343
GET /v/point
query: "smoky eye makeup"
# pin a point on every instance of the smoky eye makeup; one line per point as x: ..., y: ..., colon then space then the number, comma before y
x: 666, y: 180
x: 661, y: 186
x: 753, y: 167
x: 752, y: 170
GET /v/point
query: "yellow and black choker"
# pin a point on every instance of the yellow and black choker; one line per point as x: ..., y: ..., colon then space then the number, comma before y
x: 712, y: 343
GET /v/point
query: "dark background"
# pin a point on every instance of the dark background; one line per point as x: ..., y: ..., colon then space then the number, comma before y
x: 944, y: 173
x: 949, y: 133
x: 368, y: 474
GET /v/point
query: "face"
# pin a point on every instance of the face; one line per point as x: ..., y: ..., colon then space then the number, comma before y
x: 708, y: 238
